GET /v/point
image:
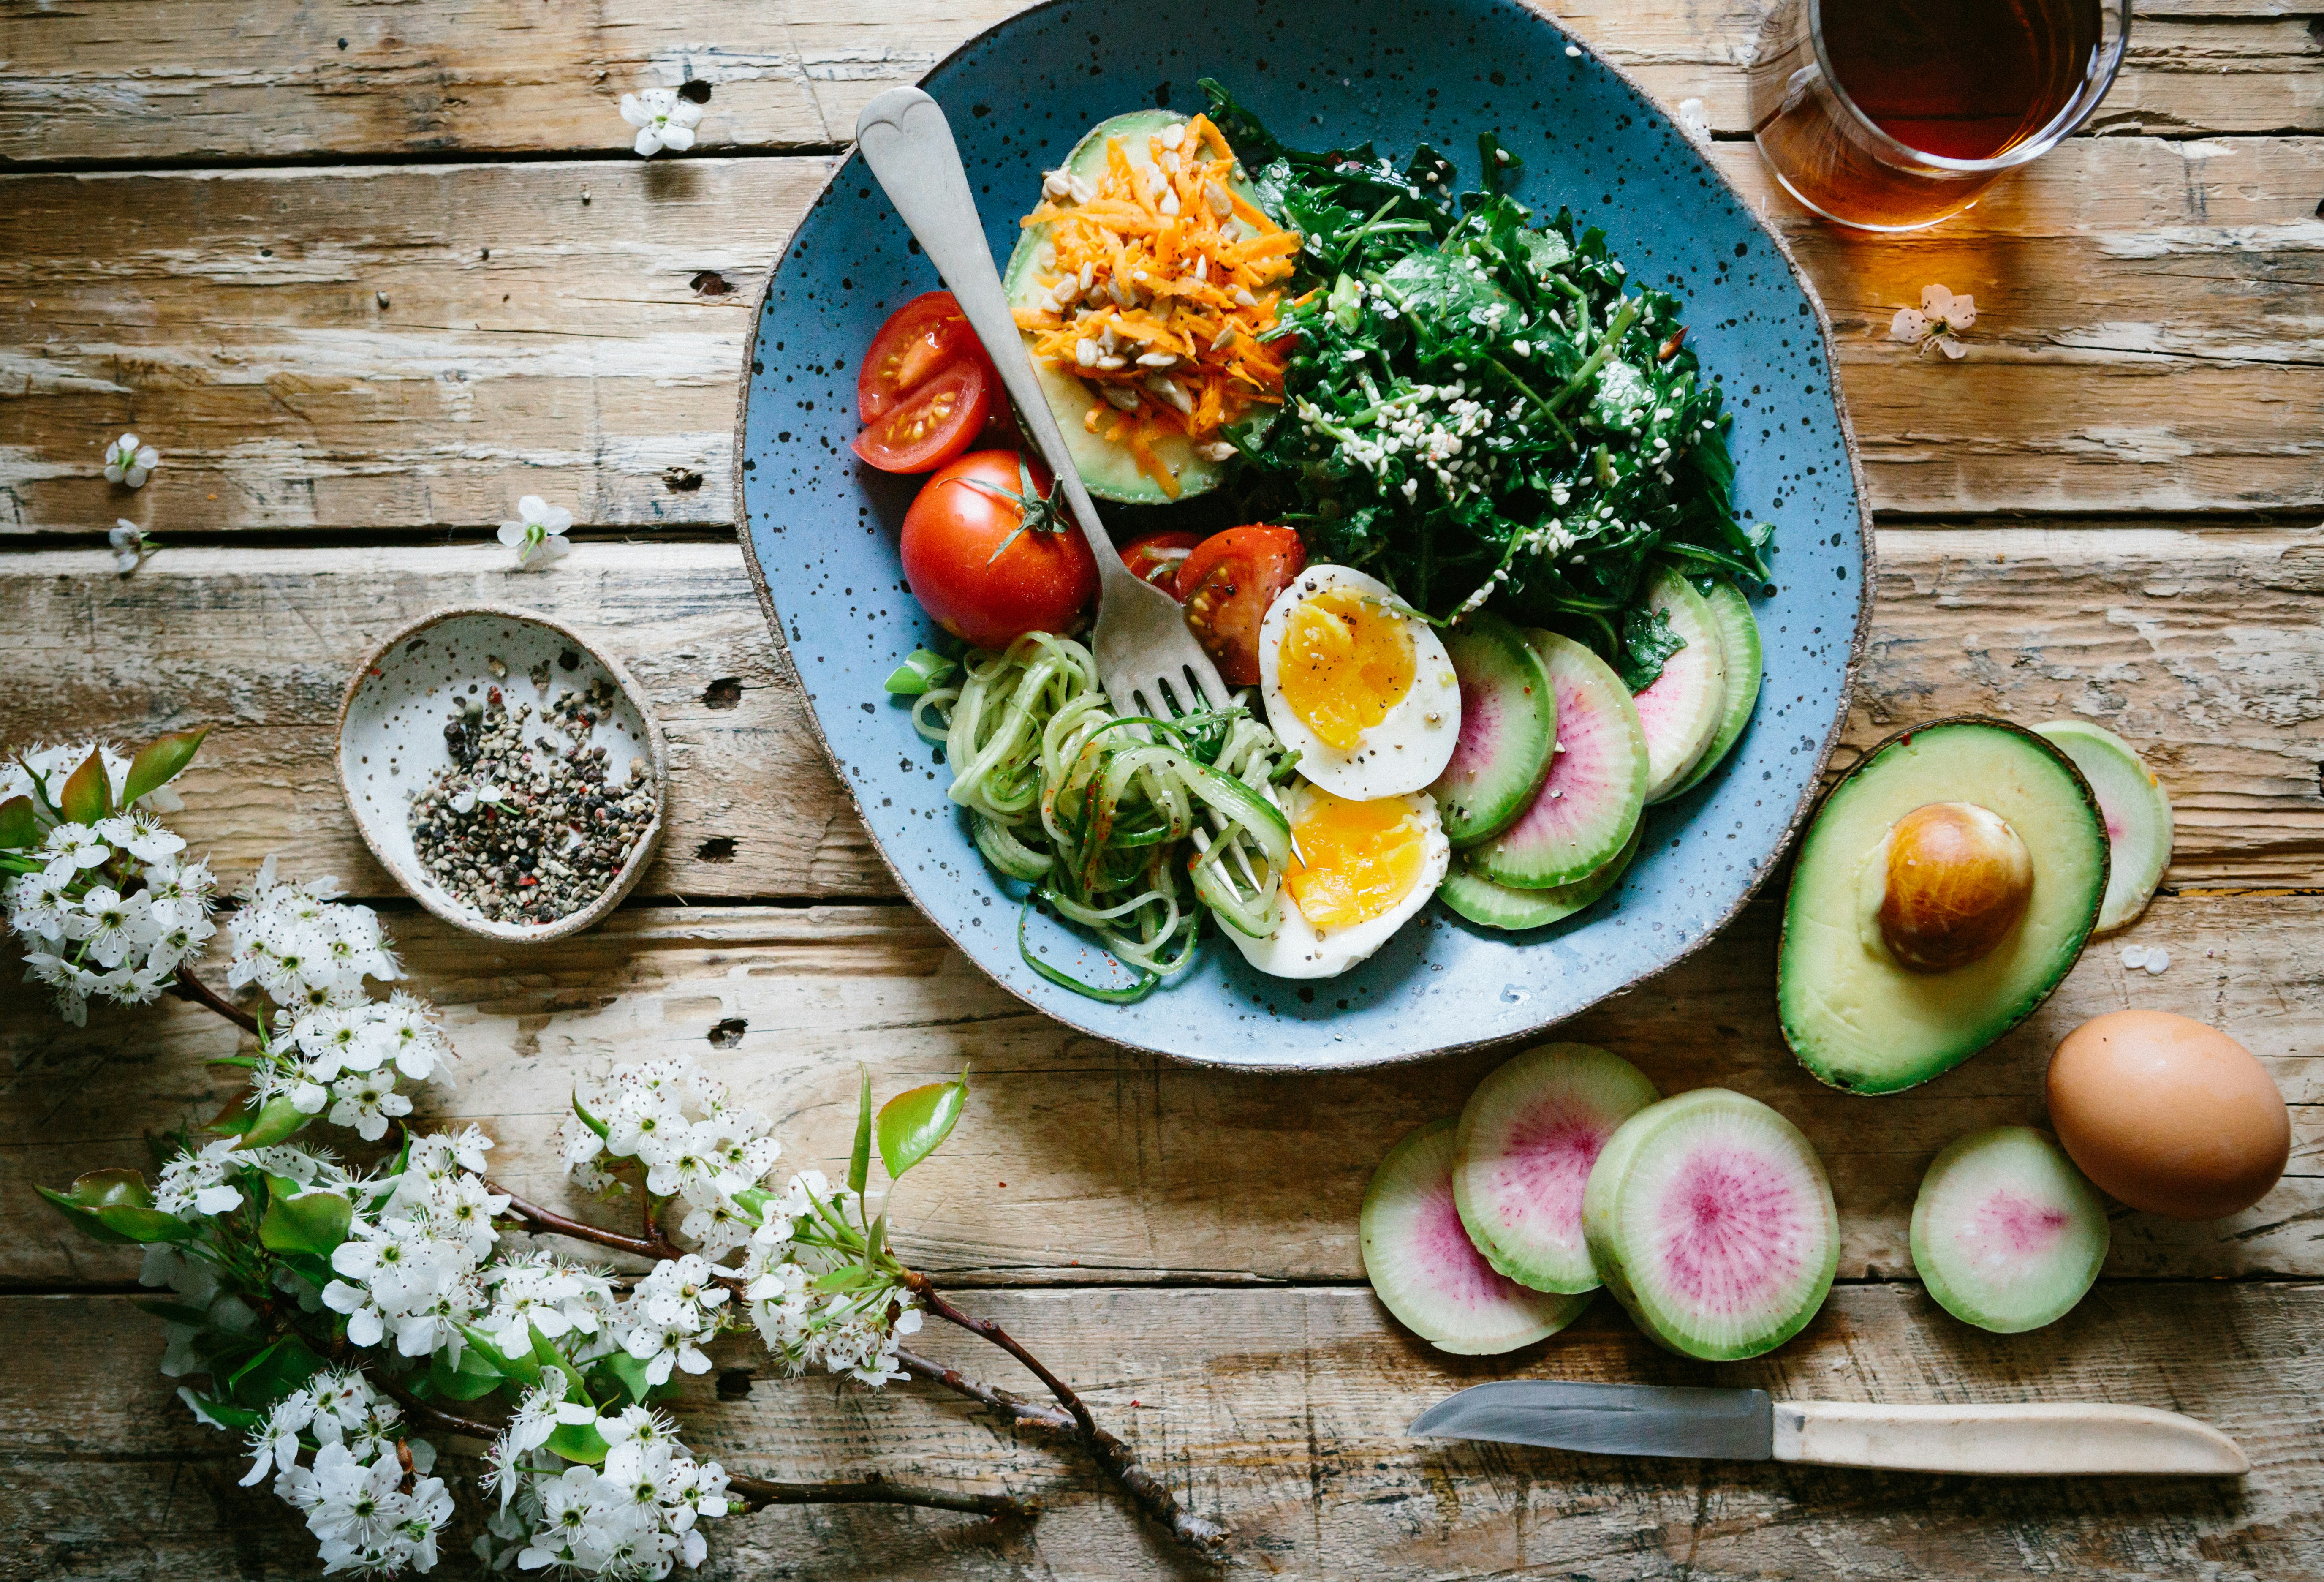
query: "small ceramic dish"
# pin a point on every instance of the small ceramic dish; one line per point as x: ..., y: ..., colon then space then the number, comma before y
x: 391, y: 740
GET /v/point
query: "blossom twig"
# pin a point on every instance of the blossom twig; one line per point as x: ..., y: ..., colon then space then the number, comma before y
x: 1116, y: 1458
x: 756, y: 1492
x: 188, y: 987
x: 1007, y: 1402
x: 534, y: 1217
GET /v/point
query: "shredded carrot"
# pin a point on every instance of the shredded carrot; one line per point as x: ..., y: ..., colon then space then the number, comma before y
x: 1169, y: 263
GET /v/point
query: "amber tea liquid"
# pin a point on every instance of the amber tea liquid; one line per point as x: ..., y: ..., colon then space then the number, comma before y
x: 1875, y: 129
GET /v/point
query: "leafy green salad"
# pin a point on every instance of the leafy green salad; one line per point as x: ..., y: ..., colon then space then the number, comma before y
x: 1475, y: 408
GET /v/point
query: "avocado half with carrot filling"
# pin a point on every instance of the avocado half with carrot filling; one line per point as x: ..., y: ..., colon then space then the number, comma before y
x: 1142, y: 283
x: 1946, y: 884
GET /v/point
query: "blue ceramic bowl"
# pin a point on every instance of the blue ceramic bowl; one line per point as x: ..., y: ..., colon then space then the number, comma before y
x: 820, y: 528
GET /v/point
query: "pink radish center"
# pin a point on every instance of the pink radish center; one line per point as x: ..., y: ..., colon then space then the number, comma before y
x: 1480, y: 726
x: 1546, y: 1165
x: 1452, y: 1267
x: 2009, y: 1223
x: 1734, y: 1231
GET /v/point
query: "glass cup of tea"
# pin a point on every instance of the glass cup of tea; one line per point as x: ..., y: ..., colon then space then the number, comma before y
x: 1891, y: 114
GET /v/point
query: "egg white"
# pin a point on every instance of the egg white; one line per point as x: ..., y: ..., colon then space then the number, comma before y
x: 1402, y: 752
x: 1296, y: 950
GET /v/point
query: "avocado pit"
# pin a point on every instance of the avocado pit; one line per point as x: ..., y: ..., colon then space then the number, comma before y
x: 1959, y: 879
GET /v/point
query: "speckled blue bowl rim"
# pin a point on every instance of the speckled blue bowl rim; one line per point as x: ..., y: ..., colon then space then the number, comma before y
x: 1109, y: 1023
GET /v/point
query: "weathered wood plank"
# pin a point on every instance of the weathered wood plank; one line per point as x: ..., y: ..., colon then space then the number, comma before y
x: 1080, y: 1162
x: 238, y: 79
x: 1283, y: 1413
x: 2203, y: 646
x: 401, y: 347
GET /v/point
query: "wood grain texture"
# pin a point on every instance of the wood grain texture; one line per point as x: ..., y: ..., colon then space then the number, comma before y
x: 409, y: 348
x: 1282, y: 1411
x: 245, y: 80
x: 1081, y: 1161
x: 2203, y: 646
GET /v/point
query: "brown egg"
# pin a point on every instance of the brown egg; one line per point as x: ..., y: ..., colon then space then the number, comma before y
x: 2168, y: 1114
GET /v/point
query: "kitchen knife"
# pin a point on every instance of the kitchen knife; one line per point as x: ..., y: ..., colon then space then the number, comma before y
x: 2033, y: 1440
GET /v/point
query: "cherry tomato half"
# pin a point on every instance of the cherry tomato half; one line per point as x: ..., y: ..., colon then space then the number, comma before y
x: 1155, y: 557
x: 1226, y: 585
x: 939, y: 419
x: 927, y: 334
x: 981, y: 584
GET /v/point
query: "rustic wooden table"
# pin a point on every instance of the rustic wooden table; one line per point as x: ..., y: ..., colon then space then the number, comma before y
x: 366, y: 273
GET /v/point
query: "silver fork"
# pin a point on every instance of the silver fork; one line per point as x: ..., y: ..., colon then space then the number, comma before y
x: 1146, y: 660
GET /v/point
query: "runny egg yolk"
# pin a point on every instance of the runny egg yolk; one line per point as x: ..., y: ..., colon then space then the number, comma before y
x: 1351, y: 862
x: 1346, y: 661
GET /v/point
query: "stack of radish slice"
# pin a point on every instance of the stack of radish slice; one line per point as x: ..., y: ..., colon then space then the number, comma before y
x: 1557, y: 760
x: 1708, y: 1215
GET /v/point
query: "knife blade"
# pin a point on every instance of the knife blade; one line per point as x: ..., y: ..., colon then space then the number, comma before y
x: 2030, y: 1439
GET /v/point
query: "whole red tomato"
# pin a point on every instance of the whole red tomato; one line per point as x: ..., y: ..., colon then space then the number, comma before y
x: 1226, y: 585
x: 988, y: 568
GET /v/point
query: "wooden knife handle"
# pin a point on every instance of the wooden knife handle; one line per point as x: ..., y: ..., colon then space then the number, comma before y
x: 2038, y: 1441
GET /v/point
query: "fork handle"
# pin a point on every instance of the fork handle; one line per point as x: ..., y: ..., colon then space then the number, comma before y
x: 904, y: 137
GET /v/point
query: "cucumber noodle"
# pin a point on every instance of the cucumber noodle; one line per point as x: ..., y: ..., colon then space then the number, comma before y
x: 1101, y: 814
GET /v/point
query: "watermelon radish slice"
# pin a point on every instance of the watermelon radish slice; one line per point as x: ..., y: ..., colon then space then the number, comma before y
x: 2137, y: 811
x: 1427, y: 1272
x: 2007, y: 1234
x: 1522, y: 1155
x: 1497, y: 906
x: 1708, y: 1217
x: 1682, y: 710
x: 1590, y: 802
x: 1738, y: 643
x: 1509, y: 724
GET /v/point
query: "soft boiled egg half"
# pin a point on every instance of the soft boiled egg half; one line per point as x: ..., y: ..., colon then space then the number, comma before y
x: 1359, y: 870
x: 1358, y: 685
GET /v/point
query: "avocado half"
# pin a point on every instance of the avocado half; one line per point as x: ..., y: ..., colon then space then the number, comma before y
x: 1853, y: 1015
x: 1108, y: 470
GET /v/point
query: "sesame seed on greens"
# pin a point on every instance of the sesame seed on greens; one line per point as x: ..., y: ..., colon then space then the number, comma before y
x: 1478, y: 408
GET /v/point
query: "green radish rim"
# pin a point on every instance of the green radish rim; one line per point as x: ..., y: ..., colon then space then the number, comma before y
x: 1489, y: 905
x: 1504, y: 691
x: 2008, y: 1234
x: 1590, y: 802
x: 1682, y: 711
x: 1738, y: 638
x: 2134, y: 807
x: 1427, y: 1271
x: 1768, y: 1163
x: 1522, y: 1155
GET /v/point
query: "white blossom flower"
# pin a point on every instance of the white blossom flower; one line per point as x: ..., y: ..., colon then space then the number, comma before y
x: 129, y: 544
x: 538, y: 531
x: 1940, y: 317
x: 663, y: 119
x: 128, y: 460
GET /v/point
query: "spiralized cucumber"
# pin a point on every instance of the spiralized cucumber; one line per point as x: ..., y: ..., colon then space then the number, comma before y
x: 1103, y: 813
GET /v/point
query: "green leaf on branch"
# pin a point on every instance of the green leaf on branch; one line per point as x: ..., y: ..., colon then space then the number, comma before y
x: 273, y: 1373
x: 221, y: 1414
x: 582, y: 1112
x: 628, y: 1374
x: 18, y: 827
x: 580, y: 1441
x: 172, y: 1312
x: 545, y: 1352
x: 852, y: 1277
x: 159, y: 761
x: 116, y: 1206
x: 88, y: 796
x: 304, y: 1222
x: 525, y: 1370
x: 914, y: 1123
x: 474, y: 1379
x: 859, y: 1162
x: 275, y: 1121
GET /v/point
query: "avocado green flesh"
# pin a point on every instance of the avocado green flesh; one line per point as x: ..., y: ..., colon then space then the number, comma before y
x: 1738, y: 635
x: 1857, y: 1018
x: 1108, y: 469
